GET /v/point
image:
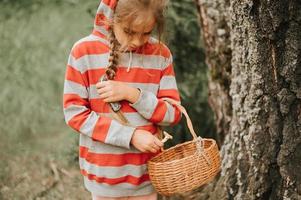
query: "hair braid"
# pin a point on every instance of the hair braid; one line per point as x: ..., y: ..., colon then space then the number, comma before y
x: 113, y: 57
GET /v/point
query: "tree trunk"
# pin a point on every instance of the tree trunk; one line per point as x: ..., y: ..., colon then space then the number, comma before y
x: 216, y: 36
x: 254, y: 54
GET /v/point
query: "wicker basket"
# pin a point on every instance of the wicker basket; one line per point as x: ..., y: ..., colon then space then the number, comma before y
x: 185, y: 166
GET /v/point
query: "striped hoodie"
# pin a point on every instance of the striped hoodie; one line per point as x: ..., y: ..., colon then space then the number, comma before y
x: 110, y: 165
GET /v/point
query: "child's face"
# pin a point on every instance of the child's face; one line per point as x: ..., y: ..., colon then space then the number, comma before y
x: 130, y: 38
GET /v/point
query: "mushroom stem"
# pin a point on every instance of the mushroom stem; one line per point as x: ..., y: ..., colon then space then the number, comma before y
x: 166, y: 137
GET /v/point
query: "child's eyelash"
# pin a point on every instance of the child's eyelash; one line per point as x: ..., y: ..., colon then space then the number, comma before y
x: 128, y: 32
x: 133, y: 33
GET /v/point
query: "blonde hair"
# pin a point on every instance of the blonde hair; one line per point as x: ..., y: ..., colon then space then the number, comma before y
x: 128, y: 11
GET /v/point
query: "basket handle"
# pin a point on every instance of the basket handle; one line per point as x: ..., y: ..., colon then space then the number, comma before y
x: 188, y: 120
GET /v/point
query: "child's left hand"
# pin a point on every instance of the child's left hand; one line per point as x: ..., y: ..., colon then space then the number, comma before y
x: 113, y: 91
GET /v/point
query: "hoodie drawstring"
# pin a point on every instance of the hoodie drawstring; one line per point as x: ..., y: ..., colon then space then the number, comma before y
x: 130, y: 62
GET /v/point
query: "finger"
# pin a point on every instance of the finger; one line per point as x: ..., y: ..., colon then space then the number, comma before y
x: 144, y: 150
x: 156, y: 147
x: 105, y: 95
x: 102, y: 90
x: 158, y: 142
x: 152, y: 149
x: 109, y: 100
x: 101, y: 84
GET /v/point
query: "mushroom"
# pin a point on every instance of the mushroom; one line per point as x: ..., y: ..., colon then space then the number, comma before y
x: 166, y: 137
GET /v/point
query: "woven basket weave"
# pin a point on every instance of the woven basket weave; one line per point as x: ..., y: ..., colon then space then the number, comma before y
x: 185, y: 166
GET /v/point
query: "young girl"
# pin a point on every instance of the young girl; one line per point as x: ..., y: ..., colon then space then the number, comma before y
x: 113, y: 156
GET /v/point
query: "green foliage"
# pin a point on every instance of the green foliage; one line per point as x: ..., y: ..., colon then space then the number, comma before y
x: 191, y: 71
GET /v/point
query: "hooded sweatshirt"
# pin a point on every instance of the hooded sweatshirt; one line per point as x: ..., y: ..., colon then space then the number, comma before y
x: 110, y: 165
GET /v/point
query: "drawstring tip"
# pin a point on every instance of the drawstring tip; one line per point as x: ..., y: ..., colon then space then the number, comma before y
x: 130, y: 62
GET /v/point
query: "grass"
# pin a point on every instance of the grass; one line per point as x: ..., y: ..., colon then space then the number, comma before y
x: 35, y: 43
x: 34, y: 51
x: 36, y: 38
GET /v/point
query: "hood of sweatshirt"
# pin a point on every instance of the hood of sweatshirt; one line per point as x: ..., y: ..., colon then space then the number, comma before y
x: 104, y: 13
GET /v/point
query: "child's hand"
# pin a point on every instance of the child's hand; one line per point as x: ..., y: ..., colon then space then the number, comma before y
x: 144, y: 141
x: 113, y: 91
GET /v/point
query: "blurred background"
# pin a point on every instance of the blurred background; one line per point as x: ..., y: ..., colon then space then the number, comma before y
x: 38, y: 150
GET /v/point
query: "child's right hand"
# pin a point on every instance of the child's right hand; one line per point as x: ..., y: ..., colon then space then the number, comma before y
x: 144, y: 141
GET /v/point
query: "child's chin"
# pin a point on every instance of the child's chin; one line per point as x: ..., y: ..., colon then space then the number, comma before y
x: 127, y: 48
x: 132, y: 48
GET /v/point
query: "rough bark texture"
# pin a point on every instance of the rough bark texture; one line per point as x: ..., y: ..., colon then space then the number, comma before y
x: 215, y: 32
x: 261, y: 150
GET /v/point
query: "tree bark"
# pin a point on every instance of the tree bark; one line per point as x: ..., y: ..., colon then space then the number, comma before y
x: 253, y: 51
x: 216, y: 36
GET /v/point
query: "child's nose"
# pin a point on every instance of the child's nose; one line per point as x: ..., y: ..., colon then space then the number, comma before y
x: 137, y: 41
